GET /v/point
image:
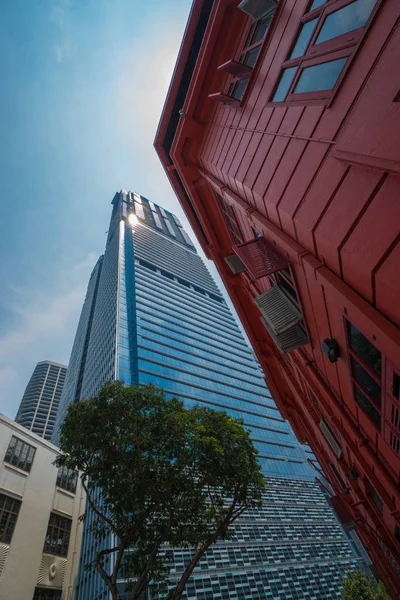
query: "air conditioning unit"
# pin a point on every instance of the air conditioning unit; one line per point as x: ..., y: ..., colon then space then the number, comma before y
x: 236, y: 264
x: 334, y: 444
x: 258, y: 9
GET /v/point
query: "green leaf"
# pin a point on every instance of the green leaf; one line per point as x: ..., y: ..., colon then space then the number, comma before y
x: 159, y: 474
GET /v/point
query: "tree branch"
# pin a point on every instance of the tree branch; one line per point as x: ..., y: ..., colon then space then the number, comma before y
x: 95, y: 509
x: 99, y: 566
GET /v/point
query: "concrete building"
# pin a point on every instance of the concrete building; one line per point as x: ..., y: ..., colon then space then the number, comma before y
x: 153, y: 314
x: 39, y: 508
x: 280, y: 136
x: 38, y: 409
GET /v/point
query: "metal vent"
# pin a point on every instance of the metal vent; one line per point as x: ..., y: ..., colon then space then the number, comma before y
x: 4, y: 548
x: 289, y: 340
x: 235, y: 68
x: 334, y: 444
x: 235, y: 263
x: 261, y: 257
x: 52, y: 571
x: 258, y: 8
x: 277, y: 310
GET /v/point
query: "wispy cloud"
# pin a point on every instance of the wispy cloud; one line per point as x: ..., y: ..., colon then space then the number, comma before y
x: 59, y: 16
x: 45, y: 325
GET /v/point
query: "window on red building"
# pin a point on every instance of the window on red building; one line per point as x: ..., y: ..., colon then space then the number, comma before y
x: 249, y: 54
x: 230, y: 219
x: 327, y: 38
x: 366, y: 371
x: 372, y: 493
x: 284, y: 280
x: 376, y: 385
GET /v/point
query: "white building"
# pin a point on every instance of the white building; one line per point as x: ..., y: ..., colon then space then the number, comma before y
x: 40, y: 533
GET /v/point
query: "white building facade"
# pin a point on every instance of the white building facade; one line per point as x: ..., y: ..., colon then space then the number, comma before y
x: 40, y: 532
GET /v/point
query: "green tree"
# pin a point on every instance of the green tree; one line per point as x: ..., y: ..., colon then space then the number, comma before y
x: 156, y: 473
x: 357, y: 586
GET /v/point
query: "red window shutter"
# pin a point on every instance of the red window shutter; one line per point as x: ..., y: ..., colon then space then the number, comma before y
x: 224, y: 98
x: 260, y: 257
x: 340, y: 509
x: 236, y: 69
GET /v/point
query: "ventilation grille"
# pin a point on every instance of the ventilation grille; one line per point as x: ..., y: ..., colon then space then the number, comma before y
x: 278, y: 312
x: 330, y: 438
x: 260, y: 257
x: 52, y: 571
x: 257, y: 8
x: 236, y: 264
x: 4, y: 548
x: 289, y: 340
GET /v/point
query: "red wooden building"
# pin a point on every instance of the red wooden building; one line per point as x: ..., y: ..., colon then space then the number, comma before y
x: 281, y: 138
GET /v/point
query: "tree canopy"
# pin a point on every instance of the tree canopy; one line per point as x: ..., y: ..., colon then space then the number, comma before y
x: 357, y: 586
x: 156, y: 473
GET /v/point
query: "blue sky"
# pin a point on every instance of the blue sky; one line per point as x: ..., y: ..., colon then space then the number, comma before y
x: 83, y: 84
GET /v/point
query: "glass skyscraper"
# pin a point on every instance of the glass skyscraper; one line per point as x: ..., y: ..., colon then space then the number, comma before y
x: 153, y: 314
x: 39, y: 405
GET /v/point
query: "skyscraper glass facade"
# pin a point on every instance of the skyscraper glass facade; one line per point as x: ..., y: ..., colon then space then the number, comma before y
x: 39, y: 405
x: 158, y: 317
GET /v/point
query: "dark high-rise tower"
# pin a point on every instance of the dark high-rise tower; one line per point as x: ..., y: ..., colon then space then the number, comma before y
x: 39, y: 405
x: 153, y: 314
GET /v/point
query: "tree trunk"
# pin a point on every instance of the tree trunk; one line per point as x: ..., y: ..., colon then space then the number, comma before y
x: 180, y: 588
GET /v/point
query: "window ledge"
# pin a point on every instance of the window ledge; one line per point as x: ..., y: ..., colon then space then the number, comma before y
x: 14, y: 468
x: 66, y: 492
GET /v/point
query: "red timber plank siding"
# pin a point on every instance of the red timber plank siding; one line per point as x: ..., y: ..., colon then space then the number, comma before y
x: 322, y: 183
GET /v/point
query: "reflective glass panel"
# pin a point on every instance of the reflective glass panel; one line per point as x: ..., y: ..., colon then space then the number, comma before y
x: 306, y: 31
x: 284, y: 84
x: 353, y: 16
x: 370, y: 355
x: 366, y: 381
x: 251, y: 57
x: 367, y: 406
x: 260, y: 32
x: 238, y: 89
x: 320, y: 77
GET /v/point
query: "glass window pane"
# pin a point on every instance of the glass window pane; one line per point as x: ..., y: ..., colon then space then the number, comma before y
x: 238, y: 89
x: 353, y: 16
x: 260, y: 32
x: 251, y: 57
x: 364, y: 349
x: 367, y: 406
x: 320, y: 77
x: 248, y: 41
x: 306, y: 31
x: 284, y: 84
x: 366, y: 381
